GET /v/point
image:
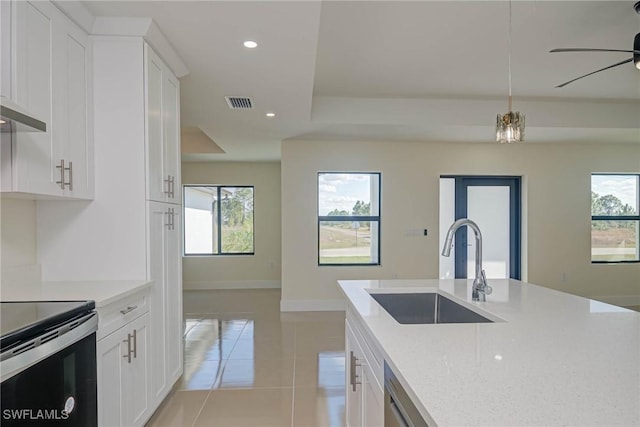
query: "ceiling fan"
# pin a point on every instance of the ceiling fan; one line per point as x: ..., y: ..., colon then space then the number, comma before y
x: 635, y: 58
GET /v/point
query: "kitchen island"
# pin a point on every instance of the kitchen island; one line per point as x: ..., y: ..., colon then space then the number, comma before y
x: 548, y: 358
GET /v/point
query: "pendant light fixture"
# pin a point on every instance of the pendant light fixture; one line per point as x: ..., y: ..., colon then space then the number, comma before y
x: 510, y: 126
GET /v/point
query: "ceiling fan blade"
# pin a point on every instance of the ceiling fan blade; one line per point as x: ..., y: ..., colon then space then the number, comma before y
x: 597, y: 71
x: 577, y: 49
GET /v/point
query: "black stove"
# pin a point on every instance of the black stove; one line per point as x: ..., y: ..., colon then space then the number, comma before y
x: 21, y: 321
x: 48, y: 363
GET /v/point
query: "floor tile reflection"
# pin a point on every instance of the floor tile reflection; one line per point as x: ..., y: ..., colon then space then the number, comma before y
x: 248, y: 364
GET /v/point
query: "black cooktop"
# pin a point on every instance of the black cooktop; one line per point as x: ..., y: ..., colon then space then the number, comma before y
x: 23, y: 320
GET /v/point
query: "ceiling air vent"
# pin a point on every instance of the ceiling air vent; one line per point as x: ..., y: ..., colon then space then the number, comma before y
x: 239, y: 103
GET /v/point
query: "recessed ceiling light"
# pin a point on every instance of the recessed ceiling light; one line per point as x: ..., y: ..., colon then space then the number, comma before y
x: 250, y: 44
x: 271, y: 114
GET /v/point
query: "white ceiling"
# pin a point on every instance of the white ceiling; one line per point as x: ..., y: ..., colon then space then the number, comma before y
x: 393, y: 70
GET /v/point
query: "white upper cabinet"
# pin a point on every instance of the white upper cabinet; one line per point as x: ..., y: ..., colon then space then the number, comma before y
x: 6, y: 90
x: 49, y: 77
x: 162, y: 130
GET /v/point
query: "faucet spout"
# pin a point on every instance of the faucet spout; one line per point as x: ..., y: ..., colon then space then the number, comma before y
x: 480, y: 286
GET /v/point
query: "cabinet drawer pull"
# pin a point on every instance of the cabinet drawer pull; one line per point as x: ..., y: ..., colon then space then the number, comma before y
x: 129, y: 309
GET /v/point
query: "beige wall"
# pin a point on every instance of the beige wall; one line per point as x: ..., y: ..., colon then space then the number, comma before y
x: 261, y: 269
x: 18, y: 232
x: 556, y: 205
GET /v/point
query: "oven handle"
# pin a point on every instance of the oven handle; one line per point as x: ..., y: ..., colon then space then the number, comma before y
x: 21, y: 361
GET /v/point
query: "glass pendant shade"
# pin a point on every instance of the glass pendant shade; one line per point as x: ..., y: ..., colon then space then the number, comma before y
x: 510, y: 127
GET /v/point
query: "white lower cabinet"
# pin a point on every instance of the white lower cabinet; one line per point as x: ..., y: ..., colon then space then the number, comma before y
x: 364, y: 395
x: 123, y: 367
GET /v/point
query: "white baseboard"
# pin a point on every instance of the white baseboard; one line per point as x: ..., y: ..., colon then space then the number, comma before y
x: 620, y: 300
x: 231, y: 284
x: 313, y: 305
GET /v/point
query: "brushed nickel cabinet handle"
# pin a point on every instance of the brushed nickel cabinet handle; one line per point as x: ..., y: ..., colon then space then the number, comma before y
x: 128, y: 355
x: 70, y: 169
x: 169, y: 215
x: 168, y: 185
x: 353, y: 376
x: 128, y: 309
x: 135, y: 344
x: 62, y: 169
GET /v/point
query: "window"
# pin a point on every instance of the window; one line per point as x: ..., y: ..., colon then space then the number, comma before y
x: 348, y: 218
x: 218, y: 220
x: 615, y: 218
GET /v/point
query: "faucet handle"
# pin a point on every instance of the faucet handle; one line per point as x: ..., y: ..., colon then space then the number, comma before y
x: 487, y: 289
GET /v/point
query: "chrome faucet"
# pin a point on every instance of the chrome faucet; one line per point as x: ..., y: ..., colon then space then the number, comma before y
x: 480, y: 286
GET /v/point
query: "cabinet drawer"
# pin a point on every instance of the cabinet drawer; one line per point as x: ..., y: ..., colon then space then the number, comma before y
x: 117, y: 314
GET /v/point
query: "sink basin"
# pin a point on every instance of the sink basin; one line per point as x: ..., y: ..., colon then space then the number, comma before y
x: 425, y: 307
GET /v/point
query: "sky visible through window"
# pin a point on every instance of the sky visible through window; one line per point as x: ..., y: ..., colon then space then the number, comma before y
x: 623, y: 187
x: 342, y: 191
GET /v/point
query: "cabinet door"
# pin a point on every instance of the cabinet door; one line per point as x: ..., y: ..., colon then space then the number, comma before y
x: 354, y: 401
x: 157, y: 271
x: 174, y: 298
x: 110, y: 351
x: 156, y: 176
x: 372, y: 400
x: 136, y: 374
x: 6, y: 50
x: 171, y: 121
x: 72, y: 69
x: 34, y: 154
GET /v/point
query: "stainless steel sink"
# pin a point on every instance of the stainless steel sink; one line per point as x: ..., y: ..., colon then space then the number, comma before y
x: 426, y: 307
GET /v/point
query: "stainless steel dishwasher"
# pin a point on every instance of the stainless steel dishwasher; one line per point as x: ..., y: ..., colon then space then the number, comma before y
x: 399, y: 410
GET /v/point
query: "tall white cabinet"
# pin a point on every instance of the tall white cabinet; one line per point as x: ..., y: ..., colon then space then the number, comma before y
x: 136, y: 215
x: 47, y: 70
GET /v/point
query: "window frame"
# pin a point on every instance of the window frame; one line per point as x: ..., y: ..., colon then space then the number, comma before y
x: 352, y: 218
x: 218, y: 222
x: 618, y: 217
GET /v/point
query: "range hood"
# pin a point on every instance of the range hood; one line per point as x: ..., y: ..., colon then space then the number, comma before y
x: 14, y: 119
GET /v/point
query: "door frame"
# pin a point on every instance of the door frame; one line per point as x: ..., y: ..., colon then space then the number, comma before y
x: 462, y: 182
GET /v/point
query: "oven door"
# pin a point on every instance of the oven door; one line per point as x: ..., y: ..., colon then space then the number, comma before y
x: 58, y: 390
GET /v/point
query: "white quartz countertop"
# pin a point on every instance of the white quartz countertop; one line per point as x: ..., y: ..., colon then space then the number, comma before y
x: 552, y: 359
x: 103, y: 292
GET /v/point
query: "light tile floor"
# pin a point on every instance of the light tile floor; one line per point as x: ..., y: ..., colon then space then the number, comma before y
x: 248, y: 364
